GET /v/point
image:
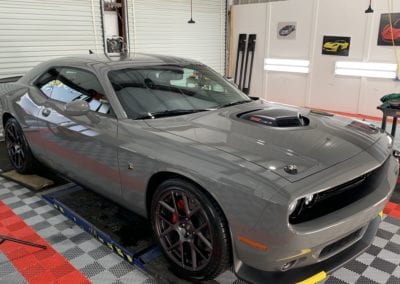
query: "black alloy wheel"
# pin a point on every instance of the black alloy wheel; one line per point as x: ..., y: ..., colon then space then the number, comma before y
x: 18, y: 149
x: 190, y: 230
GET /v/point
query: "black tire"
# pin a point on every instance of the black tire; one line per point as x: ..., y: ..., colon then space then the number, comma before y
x: 206, y: 220
x: 18, y: 149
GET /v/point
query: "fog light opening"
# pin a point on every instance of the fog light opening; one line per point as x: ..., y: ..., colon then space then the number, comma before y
x: 396, y: 154
x: 288, y: 265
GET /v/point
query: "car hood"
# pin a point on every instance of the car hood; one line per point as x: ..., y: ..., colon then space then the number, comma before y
x: 246, y: 131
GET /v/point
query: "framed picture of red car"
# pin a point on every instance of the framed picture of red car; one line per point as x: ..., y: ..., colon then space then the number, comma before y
x: 389, y: 32
x: 336, y: 45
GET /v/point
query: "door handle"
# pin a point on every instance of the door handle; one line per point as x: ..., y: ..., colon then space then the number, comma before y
x: 46, y: 112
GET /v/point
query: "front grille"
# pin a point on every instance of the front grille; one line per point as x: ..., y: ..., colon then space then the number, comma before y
x: 337, y: 197
x: 338, y: 245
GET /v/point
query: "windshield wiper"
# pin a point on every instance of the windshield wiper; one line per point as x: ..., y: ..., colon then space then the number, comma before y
x: 235, y: 103
x: 174, y: 112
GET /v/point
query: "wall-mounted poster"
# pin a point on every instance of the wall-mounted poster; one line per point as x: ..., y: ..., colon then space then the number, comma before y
x: 287, y: 30
x: 336, y: 45
x: 385, y: 36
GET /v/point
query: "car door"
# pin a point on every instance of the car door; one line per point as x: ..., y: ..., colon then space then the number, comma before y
x: 82, y: 147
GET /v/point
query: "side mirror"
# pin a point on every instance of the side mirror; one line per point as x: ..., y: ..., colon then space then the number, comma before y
x: 77, y: 108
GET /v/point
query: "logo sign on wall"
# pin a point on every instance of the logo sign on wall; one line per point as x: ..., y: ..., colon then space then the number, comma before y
x: 287, y: 30
x: 336, y: 45
x: 389, y: 34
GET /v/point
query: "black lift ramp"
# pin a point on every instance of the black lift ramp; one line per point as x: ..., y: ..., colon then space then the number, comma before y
x: 126, y: 233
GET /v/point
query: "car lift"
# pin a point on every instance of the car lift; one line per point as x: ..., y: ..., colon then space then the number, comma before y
x: 124, y: 232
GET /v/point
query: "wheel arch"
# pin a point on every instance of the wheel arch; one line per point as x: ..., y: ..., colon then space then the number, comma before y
x: 6, y: 116
x: 159, y: 177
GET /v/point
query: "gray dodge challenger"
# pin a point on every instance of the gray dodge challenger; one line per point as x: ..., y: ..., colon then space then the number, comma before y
x: 278, y: 193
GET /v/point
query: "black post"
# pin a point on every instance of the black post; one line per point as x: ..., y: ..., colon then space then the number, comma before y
x: 6, y: 238
x: 251, y: 47
x: 240, y: 51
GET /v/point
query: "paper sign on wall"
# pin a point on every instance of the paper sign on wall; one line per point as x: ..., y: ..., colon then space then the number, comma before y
x: 389, y: 29
x: 336, y: 45
x: 287, y: 30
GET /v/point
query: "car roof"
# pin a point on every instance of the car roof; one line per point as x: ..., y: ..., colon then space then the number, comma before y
x: 135, y: 59
x: 104, y: 62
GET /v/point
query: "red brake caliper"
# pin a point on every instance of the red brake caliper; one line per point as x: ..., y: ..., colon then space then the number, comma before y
x: 181, y: 206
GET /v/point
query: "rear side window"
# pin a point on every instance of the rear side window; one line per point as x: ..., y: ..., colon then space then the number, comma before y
x: 71, y: 84
x: 47, y: 81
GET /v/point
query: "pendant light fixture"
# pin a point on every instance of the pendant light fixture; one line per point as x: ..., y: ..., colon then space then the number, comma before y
x: 191, y: 13
x: 369, y: 10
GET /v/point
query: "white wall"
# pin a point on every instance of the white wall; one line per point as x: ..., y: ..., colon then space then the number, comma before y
x: 316, y: 18
x: 339, y: 17
x: 291, y: 88
x: 252, y: 20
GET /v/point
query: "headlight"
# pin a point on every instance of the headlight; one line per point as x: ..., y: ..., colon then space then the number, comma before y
x: 293, y: 206
x: 308, y: 200
x: 297, y: 205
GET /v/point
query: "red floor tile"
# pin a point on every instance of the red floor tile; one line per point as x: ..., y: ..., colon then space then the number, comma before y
x: 392, y: 209
x: 34, y: 264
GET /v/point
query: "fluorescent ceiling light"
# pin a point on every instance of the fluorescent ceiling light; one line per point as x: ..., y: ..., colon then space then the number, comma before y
x: 287, y: 65
x: 282, y: 68
x: 366, y: 69
x: 287, y: 62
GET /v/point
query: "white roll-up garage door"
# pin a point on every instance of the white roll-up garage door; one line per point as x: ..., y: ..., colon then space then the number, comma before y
x: 161, y: 27
x: 32, y: 31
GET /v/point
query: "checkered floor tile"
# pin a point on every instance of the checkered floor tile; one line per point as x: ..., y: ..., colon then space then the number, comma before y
x: 86, y: 254
x: 380, y: 264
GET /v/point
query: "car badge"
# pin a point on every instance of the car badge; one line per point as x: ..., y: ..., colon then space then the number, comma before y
x: 291, y: 169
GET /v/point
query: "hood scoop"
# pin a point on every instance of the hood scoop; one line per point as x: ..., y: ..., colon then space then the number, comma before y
x: 276, y: 118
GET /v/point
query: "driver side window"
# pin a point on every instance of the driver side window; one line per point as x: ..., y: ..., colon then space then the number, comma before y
x: 70, y: 84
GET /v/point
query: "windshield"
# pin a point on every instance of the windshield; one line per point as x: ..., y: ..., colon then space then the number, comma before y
x: 169, y: 90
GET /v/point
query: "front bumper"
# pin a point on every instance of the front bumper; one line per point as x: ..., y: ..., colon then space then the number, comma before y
x: 325, y: 243
x: 329, y: 265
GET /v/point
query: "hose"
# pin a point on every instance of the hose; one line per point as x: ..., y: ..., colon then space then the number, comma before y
x: 395, y: 49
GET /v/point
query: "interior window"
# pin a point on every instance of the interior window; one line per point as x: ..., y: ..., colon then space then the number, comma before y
x: 194, y: 79
x: 168, y: 90
x: 70, y: 84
